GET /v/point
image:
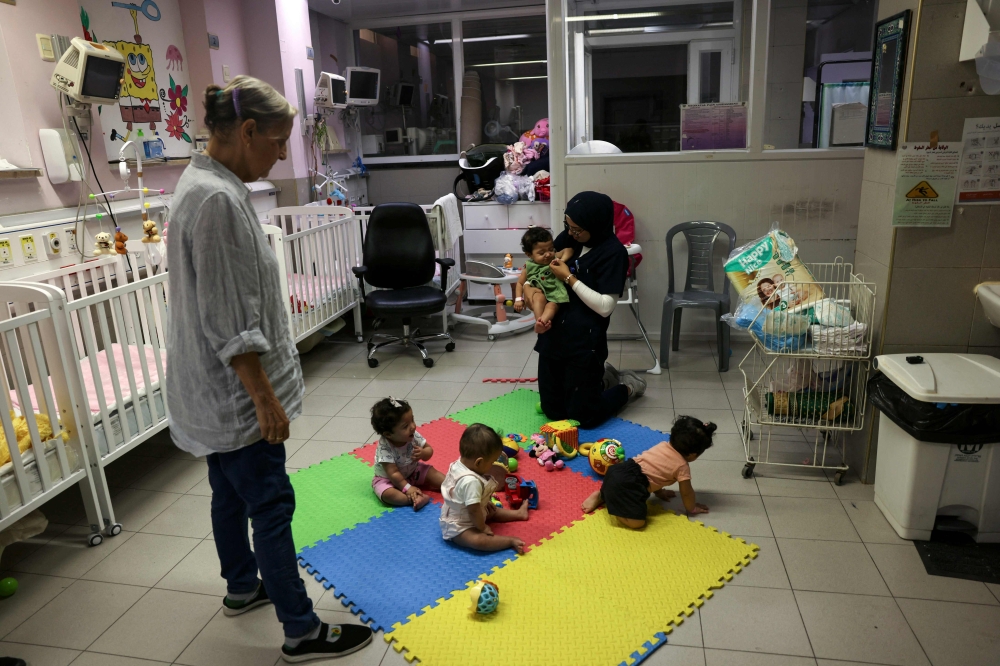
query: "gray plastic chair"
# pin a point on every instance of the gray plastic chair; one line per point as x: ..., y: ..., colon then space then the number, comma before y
x: 699, y: 288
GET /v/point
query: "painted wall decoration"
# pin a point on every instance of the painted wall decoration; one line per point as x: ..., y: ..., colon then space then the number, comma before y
x: 153, y: 108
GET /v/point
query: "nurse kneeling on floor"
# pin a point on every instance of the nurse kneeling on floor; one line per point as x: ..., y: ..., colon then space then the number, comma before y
x: 574, y: 378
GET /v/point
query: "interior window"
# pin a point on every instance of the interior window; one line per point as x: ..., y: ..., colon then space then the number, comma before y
x: 818, y: 73
x: 415, y: 113
x: 507, y: 59
x: 634, y: 69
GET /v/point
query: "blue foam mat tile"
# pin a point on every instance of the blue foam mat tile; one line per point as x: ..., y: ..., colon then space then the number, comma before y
x: 395, y: 565
x: 649, y: 648
x: 636, y: 439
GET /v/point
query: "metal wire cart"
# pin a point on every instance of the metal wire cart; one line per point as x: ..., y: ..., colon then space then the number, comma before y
x: 804, y: 378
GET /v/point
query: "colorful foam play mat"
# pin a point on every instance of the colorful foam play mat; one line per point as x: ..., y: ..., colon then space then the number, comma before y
x: 620, y: 592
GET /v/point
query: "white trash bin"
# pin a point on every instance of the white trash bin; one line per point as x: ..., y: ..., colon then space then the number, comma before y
x: 917, y: 481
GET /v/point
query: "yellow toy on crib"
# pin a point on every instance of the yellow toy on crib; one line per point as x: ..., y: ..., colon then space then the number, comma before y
x: 24, y: 435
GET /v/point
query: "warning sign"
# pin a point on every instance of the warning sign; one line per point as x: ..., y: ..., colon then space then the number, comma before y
x: 926, y: 180
x: 923, y: 190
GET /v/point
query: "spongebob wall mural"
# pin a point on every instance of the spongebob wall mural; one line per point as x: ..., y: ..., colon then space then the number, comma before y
x: 153, y: 108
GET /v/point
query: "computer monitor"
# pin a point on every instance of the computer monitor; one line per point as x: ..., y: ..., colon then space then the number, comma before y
x: 362, y: 86
x: 89, y: 72
x: 401, y: 94
x: 331, y: 92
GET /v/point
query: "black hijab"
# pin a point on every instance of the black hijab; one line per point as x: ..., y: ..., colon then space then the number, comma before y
x: 593, y: 212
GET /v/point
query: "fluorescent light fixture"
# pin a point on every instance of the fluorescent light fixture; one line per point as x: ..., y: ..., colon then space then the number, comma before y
x: 495, y: 38
x: 524, y: 78
x: 657, y: 28
x: 614, y: 17
x: 519, y: 62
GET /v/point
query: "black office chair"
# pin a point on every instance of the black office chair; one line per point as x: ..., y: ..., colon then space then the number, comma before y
x: 399, y: 260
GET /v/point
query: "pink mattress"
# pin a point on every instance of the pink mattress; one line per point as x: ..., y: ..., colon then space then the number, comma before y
x: 307, y: 292
x: 104, y: 369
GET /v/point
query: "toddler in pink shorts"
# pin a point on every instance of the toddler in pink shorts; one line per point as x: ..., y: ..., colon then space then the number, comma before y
x: 401, y: 456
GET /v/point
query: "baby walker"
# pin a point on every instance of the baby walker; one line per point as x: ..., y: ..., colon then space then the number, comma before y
x: 483, y: 273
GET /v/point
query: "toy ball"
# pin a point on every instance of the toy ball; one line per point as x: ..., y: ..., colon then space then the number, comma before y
x: 512, y: 465
x: 603, y: 454
x: 538, y: 408
x: 484, y: 597
x: 8, y: 586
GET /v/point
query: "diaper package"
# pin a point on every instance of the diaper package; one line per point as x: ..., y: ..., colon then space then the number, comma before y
x: 768, y: 271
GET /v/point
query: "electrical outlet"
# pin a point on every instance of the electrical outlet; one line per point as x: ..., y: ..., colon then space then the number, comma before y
x: 69, y: 234
x: 53, y: 246
x: 225, y: 74
x: 28, y: 248
x: 6, y: 255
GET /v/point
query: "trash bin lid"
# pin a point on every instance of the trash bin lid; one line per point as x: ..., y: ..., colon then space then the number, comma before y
x: 952, y: 378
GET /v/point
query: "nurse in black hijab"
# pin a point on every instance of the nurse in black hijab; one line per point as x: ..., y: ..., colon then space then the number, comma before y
x: 574, y: 380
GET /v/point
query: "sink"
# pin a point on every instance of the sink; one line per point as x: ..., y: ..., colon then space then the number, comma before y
x: 989, y: 296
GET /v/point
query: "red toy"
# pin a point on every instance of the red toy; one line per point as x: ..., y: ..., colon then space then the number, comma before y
x: 512, y: 488
x: 511, y: 380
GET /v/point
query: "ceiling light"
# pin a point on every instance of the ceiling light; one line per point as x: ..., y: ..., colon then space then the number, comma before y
x: 524, y: 78
x: 494, y: 38
x: 519, y: 62
x: 614, y: 17
x: 658, y: 28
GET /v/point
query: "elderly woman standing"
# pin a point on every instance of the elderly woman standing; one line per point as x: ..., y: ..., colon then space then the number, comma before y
x: 235, y: 380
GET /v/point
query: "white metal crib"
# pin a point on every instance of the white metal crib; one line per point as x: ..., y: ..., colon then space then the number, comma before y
x: 316, y: 248
x: 116, y: 353
x: 36, y: 350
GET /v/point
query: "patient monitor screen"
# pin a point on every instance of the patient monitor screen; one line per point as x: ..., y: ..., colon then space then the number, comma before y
x: 364, y: 85
x: 101, y: 78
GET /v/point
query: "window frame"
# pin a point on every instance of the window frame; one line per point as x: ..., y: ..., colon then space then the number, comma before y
x: 458, y: 58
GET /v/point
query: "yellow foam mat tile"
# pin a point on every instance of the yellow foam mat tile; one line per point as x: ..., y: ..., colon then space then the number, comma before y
x: 595, y: 593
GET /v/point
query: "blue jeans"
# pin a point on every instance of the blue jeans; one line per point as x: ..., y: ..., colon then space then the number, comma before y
x: 252, y: 483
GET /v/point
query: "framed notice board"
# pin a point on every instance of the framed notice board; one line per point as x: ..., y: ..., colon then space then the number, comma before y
x: 888, y: 66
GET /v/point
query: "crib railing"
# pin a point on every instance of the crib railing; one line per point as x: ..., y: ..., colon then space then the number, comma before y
x: 38, y: 385
x: 126, y: 324
x: 316, y: 249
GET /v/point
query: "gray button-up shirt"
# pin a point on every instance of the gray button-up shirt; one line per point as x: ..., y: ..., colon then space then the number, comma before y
x: 225, y: 300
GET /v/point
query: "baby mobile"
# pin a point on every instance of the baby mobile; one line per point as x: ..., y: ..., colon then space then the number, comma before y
x: 103, y: 241
x: 142, y: 102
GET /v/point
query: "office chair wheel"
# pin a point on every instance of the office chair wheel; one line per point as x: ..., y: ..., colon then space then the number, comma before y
x: 449, y: 347
x: 372, y: 362
x: 428, y: 363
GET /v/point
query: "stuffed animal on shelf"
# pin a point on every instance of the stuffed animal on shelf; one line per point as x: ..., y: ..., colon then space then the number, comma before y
x: 547, y: 458
x: 152, y: 235
x: 537, y: 138
x: 120, y: 239
x: 102, y: 244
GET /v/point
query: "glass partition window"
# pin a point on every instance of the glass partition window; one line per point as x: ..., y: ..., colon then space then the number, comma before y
x: 818, y: 73
x: 415, y: 114
x: 508, y: 60
x: 631, y: 69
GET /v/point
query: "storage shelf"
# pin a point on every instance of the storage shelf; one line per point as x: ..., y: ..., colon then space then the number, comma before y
x: 11, y: 174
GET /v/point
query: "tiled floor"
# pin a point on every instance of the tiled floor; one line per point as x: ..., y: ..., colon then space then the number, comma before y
x: 832, y: 585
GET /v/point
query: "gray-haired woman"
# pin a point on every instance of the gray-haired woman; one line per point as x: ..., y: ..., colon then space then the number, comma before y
x: 235, y: 379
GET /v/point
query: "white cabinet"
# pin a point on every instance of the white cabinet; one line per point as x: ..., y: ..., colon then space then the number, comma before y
x: 493, y: 229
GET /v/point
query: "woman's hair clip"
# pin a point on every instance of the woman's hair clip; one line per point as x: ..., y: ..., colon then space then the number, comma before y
x: 394, y: 402
x: 236, y: 102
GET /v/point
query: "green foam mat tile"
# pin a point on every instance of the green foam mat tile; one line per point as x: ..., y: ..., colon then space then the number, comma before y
x: 331, y: 497
x: 511, y: 412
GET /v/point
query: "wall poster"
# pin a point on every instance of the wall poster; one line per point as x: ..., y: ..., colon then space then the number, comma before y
x: 979, y: 176
x: 153, y: 108
x: 926, y: 176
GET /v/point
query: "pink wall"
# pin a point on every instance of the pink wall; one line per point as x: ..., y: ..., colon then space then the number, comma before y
x: 223, y: 18
x: 294, y: 35
x: 199, y: 62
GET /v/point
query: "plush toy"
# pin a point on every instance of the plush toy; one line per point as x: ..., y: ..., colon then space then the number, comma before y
x: 120, y: 239
x: 515, y: 159
x: 562, y: 437
x: 547, y: 458
x: 152, y: 235
x: 537, y: 138
x: 603, y: 454
x: 24, y: 435
x: 102, y: 244
x: 484, y: 597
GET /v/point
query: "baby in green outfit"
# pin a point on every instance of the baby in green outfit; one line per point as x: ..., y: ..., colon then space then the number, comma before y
x: 537, y: 287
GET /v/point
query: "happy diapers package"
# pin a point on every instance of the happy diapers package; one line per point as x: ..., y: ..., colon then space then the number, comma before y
x: 768, y: 273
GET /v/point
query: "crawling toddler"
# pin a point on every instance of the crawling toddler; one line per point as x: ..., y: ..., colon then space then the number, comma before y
x: 467, y: 489
x: 538, y: 287
x: 627, y: 485
x: 401, y: 456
